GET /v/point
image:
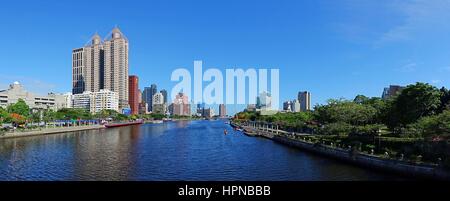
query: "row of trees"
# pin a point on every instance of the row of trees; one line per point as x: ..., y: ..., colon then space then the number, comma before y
x: 414, y: 124
x: 20, y: 113
x: 419, y: 110
x: 410, y: 113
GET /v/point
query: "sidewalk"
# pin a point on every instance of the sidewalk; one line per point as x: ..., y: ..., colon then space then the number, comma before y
x: 48, y: 131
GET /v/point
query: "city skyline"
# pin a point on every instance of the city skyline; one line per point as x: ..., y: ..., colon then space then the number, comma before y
x: 363, y: 60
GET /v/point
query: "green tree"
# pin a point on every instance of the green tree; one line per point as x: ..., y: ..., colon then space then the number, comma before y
x: 20, y: 108
x: 445, y: 99
x: 73, y: 114
x: 345, y: 111
x: 415, y: 101
x: 3, y: 115
x: 36, y: 116
x: 49, y: 116
x: 361, y: 99
x: 434, y: 125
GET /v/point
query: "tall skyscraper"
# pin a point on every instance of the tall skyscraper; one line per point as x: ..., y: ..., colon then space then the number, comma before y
x: 149, y: 92
x: 222, y: 110
x: 304, y: 98
x: 164, y: 93
x: 133, y: 96
x: 87, y: 67
x: 102, y: 65
x: 146, y: 95
x: 116, y: 65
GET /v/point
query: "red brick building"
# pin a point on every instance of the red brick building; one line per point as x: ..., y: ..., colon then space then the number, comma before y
x: 133, y: 93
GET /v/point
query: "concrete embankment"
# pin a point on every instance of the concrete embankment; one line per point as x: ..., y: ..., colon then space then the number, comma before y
x: 370, y: 161
x: 361, y: 159
x: 49, y: 131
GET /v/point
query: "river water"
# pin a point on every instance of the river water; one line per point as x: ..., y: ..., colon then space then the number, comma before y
x: 181, y: 150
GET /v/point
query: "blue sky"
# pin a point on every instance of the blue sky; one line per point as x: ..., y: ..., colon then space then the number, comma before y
x: 332, y: 48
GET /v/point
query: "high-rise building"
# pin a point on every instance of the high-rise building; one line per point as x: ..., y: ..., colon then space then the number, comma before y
x: 208, y: 113
x: 148, y: 94
x: 304, y: 97
x: 139, y: 96
x: 391, y: 91
x: 265, y: 101
x: 287, y: 106
x: 164, y: 93
x: 158, y: 105
x: 158, y: 98
x: 116, y: 65
x: 222, y: 110
x: 102, y: 65
x: 181, y: 105
x: 295, y: 106
x: 87, y: 67
x: 133, y: 96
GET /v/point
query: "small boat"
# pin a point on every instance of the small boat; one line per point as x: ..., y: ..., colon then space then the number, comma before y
x: 122, y: 124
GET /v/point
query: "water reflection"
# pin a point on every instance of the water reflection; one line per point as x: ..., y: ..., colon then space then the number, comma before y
x: 181, y: 150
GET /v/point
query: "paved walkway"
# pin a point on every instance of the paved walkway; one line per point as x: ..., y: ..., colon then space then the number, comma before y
x: 48, y: 131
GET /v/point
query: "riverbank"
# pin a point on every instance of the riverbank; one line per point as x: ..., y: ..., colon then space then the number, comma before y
x: 49, y: 131
x: 427, y: 171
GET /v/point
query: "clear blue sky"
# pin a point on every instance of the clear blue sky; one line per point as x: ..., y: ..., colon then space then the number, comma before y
x: 332, y: 48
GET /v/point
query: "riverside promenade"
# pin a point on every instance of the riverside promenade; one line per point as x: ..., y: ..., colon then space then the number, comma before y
x: 49, y: 131
x: 298, y: 140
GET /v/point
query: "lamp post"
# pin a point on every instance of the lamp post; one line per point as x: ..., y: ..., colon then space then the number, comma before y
x: 379, y: 141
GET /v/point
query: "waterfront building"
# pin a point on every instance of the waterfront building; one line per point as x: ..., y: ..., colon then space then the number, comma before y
x: 391, y: 91
x: 96, y: 101
x: 133, y: 96
x: 148, y: 94
x: 116, y: 65
x: 181, y: 105
x: 62, y: 100
x: 287, y: 106
x: 304, y: 97
x: 201, y: 109
x: 208, y: 113
x: 143, y: 108
x: 16, y: 91
x: 295, y: 106
x: 222, y: 110
x: 139, y: 96
x: 158, y: 105
x: 265, y: 101
x: 164, y: 93
x: 102, y: 65
x: 88, y: 67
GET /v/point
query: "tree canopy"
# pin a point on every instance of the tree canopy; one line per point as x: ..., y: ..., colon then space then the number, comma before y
x: 20, y: 108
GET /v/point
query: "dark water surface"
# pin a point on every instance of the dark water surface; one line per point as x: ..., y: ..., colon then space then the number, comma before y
x: 183, y: 150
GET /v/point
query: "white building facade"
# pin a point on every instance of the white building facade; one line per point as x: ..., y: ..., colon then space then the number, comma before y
x: 16, y: 91
x: 97, y: 101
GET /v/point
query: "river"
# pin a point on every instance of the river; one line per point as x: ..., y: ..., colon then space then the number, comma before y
x: 180, y: 150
